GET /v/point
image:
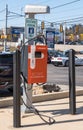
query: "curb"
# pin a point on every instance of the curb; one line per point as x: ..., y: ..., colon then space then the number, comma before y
x: 54, y: 95
x: 5, y: 102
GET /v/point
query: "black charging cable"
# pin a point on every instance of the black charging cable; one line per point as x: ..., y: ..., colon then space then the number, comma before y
x: 35, y: 111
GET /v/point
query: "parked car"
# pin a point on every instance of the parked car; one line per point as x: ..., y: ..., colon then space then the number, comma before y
x: 60, y: 42
x: 66, y: 52
x: 75, y: 43
x: 52, y: 52
x: 6, y: 70
x: 63, y: 60
x: 81, y: 52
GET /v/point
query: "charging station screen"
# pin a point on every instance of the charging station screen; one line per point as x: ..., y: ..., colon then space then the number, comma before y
x: 37, y: 54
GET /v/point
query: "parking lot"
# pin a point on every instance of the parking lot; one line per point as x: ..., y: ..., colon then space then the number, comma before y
x: 59, y: 76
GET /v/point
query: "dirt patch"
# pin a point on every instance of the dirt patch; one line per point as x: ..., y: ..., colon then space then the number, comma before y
x: 47, y: 88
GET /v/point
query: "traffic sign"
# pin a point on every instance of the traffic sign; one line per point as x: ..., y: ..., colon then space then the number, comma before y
x: 30, y: 28
x: 50, y: 36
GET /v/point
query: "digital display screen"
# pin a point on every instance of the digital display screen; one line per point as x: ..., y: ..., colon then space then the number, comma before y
x: 37, y: 54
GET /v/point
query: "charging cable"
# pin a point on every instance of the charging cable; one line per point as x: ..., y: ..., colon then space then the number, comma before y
x: 35, y: 111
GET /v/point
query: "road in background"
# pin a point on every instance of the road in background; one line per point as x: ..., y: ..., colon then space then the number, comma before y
x: 60, y: 75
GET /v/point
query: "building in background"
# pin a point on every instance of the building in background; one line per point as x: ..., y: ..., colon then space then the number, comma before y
x: 13, y: 33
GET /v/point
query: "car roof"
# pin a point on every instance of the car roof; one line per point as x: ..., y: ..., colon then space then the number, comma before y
x: 4, y: 53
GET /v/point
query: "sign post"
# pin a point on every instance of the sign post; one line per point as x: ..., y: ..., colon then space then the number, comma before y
x: 30, y: 28
x: 50, y: 37
x: 31, y: 32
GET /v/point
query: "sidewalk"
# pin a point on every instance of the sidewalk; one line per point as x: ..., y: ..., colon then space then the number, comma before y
x: 39, y: 97
x: 57, y: 109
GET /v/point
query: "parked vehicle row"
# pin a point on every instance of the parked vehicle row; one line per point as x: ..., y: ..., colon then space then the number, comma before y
x: 62, y: 58
x: 71, y: 42
x: 74, y: 43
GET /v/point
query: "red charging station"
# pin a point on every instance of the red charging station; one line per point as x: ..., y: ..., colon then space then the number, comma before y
x: 37, y: 64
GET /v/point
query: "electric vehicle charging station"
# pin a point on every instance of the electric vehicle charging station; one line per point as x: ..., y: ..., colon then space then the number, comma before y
x: 37, y: 55
x: 33, y: 68
x: 33, y: 55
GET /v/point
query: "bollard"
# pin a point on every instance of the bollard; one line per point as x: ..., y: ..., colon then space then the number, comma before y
x: 72, y: 95
x: 16, y: 89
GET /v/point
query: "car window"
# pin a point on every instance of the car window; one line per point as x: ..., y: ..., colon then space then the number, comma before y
x: 54, y: 53
x: 6, y: 59
x: 58, y: 54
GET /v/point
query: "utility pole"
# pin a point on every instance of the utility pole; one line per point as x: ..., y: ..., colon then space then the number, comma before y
x: 5, y: 33
x: 6, y: 18
x: 64, y: 31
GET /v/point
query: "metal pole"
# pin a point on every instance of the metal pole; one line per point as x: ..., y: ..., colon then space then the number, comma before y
x: 72, y: 95
x: 64, y: 32
x: 6, y: 18
x: 16, y: 89
x: 5, y: 39
x: 28, y: 86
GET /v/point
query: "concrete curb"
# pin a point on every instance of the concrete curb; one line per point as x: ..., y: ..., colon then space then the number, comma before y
x: 5, y: 102
x: 55, y: 95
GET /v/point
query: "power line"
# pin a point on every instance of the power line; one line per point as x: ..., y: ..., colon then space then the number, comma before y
x: 58, y: 6
x: 67, y: 21
x: 15, y: 14
x: 61, y: 6
x: 70, y: 19
x: 14, y: 17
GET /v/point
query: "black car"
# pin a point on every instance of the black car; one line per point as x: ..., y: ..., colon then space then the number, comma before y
x: 6, y: 70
